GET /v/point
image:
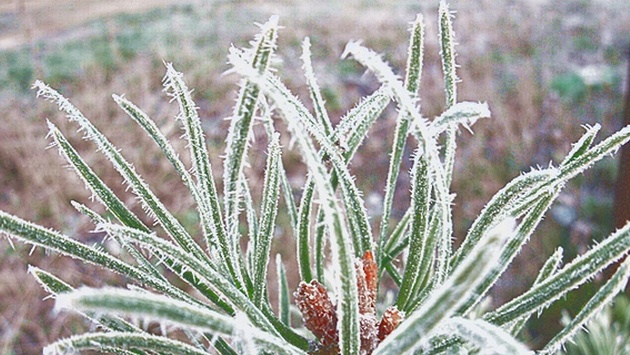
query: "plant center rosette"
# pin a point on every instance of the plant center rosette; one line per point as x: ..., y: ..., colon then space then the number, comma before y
x: 319, y: 313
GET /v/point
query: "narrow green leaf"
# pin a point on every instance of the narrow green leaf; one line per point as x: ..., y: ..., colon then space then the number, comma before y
x: 583, y: 161
x: 116, y: 341
x: 499, y: 207
x: 549, y: 268
x: 320, y: 247
x: 252, y: 228
x: 140, y: 188
x: 303, y: 242
x: 268, y: 213
x: 420, y: 195
x: 569, y: 277
x: 353, y: 127
x: 39, y: 236
x: 440, y: 233
x: 240, y: 131
x: 250, y: 209
x: 202, y: 169
x: 403, y: 122
x: 164, y: 309
x: 444, y: 300
x: 443, y: 343
x: 397, y: 241
x: 486, y: 337
x: 394, y: 274
x: 583, y: 144
x: 287, y: 190
x: 291, y: 336
x: 313, y: 88
x: 447, y: 53
x: 603, y: 297
x: 49, y: 282
x: 415, y: 55
x: 433, y: 263
x: 55, y: 286
x: 283, y: 292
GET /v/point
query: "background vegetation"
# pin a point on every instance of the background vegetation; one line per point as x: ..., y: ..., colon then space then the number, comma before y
x: 544, y: 68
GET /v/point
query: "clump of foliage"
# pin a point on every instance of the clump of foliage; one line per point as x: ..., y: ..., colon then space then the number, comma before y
x: 607, y: 333
x: 341, y: 260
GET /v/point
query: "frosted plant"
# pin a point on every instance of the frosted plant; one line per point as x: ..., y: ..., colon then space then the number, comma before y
x: 606, y: 333
x: 341, y: 260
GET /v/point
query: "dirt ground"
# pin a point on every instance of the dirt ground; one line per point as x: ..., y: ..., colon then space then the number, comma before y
x: 23, y: 21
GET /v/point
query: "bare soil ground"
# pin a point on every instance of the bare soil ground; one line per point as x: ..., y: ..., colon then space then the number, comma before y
x: 23, y: 21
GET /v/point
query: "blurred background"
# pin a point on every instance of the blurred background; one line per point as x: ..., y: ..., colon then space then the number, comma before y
x: 544, y: 67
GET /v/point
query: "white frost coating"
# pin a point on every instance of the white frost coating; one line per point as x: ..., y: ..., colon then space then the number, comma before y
x: 359, y: 118
x: 592, y: 309
x: 490, y: 339
x: 341, y: 249
x: 117, y: 342
x: 301, y: 117
x: 149, y: 200
x: 384, y: 73
x: 36, y: 272
x: 204, y: 191
x: 444, y: 300
x: 57, y: 348
x: 447, y: 51
x: 316, y: 95
x: 415, y: 62
x: 240, y: 132
x: 244, y: 335
x: 465, y: 113
x: 583, y: 143
x: 151, y: 307
x: 608, y: 146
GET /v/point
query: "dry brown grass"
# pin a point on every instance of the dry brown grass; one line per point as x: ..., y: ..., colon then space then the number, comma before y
x: 506, y: 58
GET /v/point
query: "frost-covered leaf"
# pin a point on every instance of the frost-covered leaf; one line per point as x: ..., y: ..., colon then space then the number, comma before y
x: 604, y: 296
x: 569, y: 277
x: 140, y: 188
x: 168, y: 311
x: 462, y: 113
x: 413, y: 72
x: 259, y: 58
x: 444, y: 300
x: 119, y: 342
x: 487, y: 338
